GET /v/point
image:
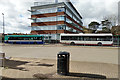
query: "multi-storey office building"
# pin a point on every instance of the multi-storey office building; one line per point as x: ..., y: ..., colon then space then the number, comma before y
x: 54, y: 19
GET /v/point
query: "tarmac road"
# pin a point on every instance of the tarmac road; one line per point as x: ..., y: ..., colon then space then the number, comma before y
x: 77, y: 53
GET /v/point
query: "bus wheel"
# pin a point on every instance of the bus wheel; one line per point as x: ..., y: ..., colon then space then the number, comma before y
x: 72, y: 43
x: 99, y: 44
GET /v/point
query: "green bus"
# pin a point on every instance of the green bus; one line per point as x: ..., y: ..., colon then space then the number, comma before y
x: 24, y: 39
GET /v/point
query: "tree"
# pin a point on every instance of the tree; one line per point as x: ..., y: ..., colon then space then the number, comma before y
x: 110, y: 20
x: 106, y: 23
x: 94, y: 25
x: 87, y: 30
x: 106, y: 30
x: 115, y: 30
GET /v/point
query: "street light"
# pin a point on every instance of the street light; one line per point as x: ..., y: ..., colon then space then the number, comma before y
x: 3, y: 28
x: 3, y: 24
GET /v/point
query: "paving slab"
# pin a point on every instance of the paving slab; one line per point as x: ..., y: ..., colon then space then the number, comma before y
x: 25, y: 68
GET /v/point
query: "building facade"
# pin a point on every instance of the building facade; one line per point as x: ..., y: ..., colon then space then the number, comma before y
x: 55, y: 18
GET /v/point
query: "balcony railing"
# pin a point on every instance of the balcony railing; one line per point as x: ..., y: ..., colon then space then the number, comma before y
x: 42, y: 3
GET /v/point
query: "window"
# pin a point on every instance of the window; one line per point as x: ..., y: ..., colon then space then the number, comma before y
x: 45, y: 19
x: 60, y: 9
x: 61, y: 27
x: 61, y: 18
x: 87, y: 38
x: 70, y: 38
x: 25, y: 38
x: 104, y: 38
x: 46, y: 10
x: 68, y: 21
x: 73, y: 24
x: 68, y: 13
x: 53, y: 27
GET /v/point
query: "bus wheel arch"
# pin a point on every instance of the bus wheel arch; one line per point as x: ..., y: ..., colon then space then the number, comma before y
x: 72, y: 43
x: 99, y: 44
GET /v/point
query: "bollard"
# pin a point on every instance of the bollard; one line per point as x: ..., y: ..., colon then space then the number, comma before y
x: 2, y: 59
x: 63, y: 63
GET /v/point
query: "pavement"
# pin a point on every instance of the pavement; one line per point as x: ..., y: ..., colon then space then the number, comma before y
x: 28, y: 68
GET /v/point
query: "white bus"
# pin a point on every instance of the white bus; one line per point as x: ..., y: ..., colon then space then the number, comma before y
x: 87, y: 39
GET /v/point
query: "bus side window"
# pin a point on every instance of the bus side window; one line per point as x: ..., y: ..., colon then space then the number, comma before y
x: 94, y: 39
x: 81, y: 38
x: 98, y: 39
x: 34, y: 38
x: 31, y: 38
x: 62, y: 37
x: 67, y: 38
x: 39, y: 38
x: 78, y: 38
x: 86, y: 38
x: 75, y: 37
x: 108, y: 38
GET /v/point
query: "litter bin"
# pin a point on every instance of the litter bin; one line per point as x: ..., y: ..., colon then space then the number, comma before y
x: 63, y: 63
x: 2, y: 59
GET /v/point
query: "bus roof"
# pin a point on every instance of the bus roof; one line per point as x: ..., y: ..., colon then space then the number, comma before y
x: 86, y: 34
x: 24, y: 36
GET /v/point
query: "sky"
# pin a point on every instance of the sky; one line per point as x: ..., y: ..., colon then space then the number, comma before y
x: 16, y: 14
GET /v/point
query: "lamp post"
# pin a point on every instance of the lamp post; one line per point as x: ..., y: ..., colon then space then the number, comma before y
x: 3, y: 24
x: 3, y: 27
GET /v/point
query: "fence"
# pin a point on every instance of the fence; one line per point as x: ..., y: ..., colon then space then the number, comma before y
x: 116, y: 40
x: 0, y: 38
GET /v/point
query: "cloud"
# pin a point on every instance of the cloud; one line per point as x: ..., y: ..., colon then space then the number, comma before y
x: 16, y: 14
x: 95, y: 10
x: 1, y: 26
